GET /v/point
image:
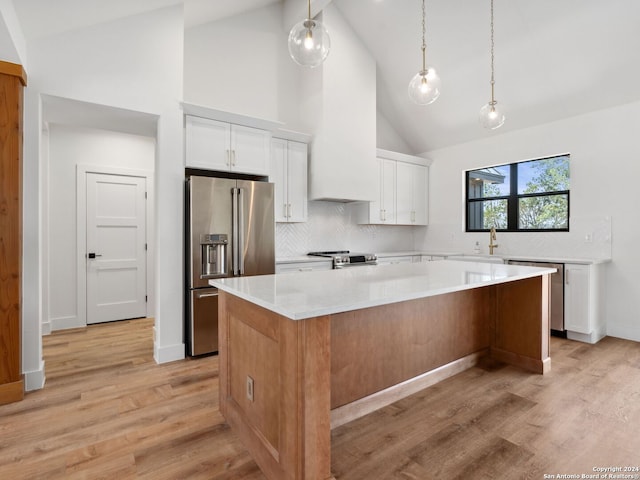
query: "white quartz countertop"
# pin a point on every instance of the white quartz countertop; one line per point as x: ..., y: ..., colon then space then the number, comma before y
x: 503, y: 257
x: 311, y: 294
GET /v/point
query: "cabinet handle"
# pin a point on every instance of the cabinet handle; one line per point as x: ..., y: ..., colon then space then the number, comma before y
x: 566, y: 277
x: 305, y: 269
x: 285, y: 210
x: 289, y: 210
x: 413, y: 216
x: 228, y: 156
x: 233, y: 157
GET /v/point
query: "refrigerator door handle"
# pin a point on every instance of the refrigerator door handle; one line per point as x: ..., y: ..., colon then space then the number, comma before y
x: 235, y: 245
x: 240, y: 235
x: 206, y: 295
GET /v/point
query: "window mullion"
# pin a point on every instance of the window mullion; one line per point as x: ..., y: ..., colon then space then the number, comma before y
x: 512, y: 202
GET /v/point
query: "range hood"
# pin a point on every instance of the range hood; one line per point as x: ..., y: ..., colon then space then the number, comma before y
x: 340, y: 109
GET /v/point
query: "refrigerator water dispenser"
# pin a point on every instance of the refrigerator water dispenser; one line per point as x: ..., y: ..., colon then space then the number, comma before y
x: 214, y: 255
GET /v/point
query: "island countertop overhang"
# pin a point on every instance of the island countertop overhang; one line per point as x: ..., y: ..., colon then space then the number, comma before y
x: 303, y: 295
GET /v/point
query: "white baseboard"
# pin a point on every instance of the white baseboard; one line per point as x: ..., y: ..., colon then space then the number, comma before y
x: 64, y: 323
x: 593, y: 337
x: 34, y: 380
x: 624, y: 331
x: 167, y: 354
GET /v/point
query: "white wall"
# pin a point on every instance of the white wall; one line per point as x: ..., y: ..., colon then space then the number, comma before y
x: 12, y: 44
x: 68, y: 148
x: 605, y: 167
x: 241, y: 64
x: 388, y: 138
x: 134, y: 64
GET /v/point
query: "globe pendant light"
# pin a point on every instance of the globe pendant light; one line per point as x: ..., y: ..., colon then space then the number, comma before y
x: 424, y: 87
x: 309, y: 42
x: 491, y: 115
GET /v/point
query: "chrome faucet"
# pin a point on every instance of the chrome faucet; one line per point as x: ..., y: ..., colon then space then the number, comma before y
x: 492, y: 238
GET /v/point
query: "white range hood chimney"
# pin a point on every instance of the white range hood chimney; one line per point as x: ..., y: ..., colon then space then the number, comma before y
x: 339, y: 108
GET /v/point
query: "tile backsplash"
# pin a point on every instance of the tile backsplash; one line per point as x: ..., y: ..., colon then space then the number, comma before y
x: 330, y: 226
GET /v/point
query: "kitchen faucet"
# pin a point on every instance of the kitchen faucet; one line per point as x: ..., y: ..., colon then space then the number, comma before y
x: 492, y: 237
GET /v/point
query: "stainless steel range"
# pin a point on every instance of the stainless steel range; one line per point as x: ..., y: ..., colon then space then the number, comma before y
x: 344, y: 258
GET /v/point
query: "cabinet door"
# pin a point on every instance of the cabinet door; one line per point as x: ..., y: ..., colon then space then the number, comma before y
x: 279, y: 178
x: 297, y: 182
x: 395, y: 260
x: 404, y: 193
x: 576, y: 298
x: 250, y: 149
x: 303, y: 267
x: 388, y: 191
x: 420, y: 191
x: 375, y: 208
x: 207, y: 143
x: 411, y: 194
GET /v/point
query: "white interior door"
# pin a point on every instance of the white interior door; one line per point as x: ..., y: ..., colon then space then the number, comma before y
x: 116, y: 235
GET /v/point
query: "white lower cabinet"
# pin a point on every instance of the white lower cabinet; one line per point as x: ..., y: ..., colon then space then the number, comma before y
x: 303, y: 266
x: 432, y: 258
x: 583, y: 305
x: 395, y: 260
x: 289, y: 174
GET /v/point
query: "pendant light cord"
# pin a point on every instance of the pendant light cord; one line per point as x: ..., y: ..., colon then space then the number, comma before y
x: 492, y: 59
x: 309, y: 3
x: 424, y: 43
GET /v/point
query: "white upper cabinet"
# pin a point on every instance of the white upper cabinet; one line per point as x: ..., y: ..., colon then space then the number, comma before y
x: 402, y: 194
x: 289, y: 174
x: 383, y: 209
x: 412, y: 194
x: 216, y: 145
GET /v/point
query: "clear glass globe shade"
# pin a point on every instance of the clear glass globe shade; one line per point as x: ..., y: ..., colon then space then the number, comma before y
x: 424, y: 87
x: 309, y: 43
x: 492, y: 116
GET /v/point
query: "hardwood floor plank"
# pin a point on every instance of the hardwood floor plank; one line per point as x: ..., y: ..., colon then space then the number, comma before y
x: 108, y: 411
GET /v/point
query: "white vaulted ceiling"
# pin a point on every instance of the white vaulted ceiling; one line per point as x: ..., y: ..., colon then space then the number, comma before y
x: 554, y: 58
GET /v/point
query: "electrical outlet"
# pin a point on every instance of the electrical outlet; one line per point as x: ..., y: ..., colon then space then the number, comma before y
x: 249, y: 388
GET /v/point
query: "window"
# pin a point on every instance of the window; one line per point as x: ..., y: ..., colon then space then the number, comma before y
x: 529, y: 196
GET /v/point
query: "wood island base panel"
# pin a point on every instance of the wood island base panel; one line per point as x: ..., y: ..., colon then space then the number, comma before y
x: 285, y: 383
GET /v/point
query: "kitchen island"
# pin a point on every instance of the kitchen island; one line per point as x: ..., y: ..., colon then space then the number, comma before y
x: 302, y: 353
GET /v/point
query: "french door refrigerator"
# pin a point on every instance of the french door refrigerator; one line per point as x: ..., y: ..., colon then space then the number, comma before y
x: 230, y: 231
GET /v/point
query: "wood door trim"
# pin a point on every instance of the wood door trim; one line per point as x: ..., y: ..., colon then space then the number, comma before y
x: 15, y: 70
x: 11, y: 91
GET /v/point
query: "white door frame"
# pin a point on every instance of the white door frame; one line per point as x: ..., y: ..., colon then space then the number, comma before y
x: 81, y: 228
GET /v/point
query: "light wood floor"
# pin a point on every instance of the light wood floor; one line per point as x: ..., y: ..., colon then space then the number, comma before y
x: 108, y: 411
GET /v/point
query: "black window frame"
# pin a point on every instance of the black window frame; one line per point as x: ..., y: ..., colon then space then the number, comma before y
x: 513, y: 217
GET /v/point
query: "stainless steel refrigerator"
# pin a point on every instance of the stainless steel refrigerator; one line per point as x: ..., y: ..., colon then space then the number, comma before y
x: 229, y: 232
